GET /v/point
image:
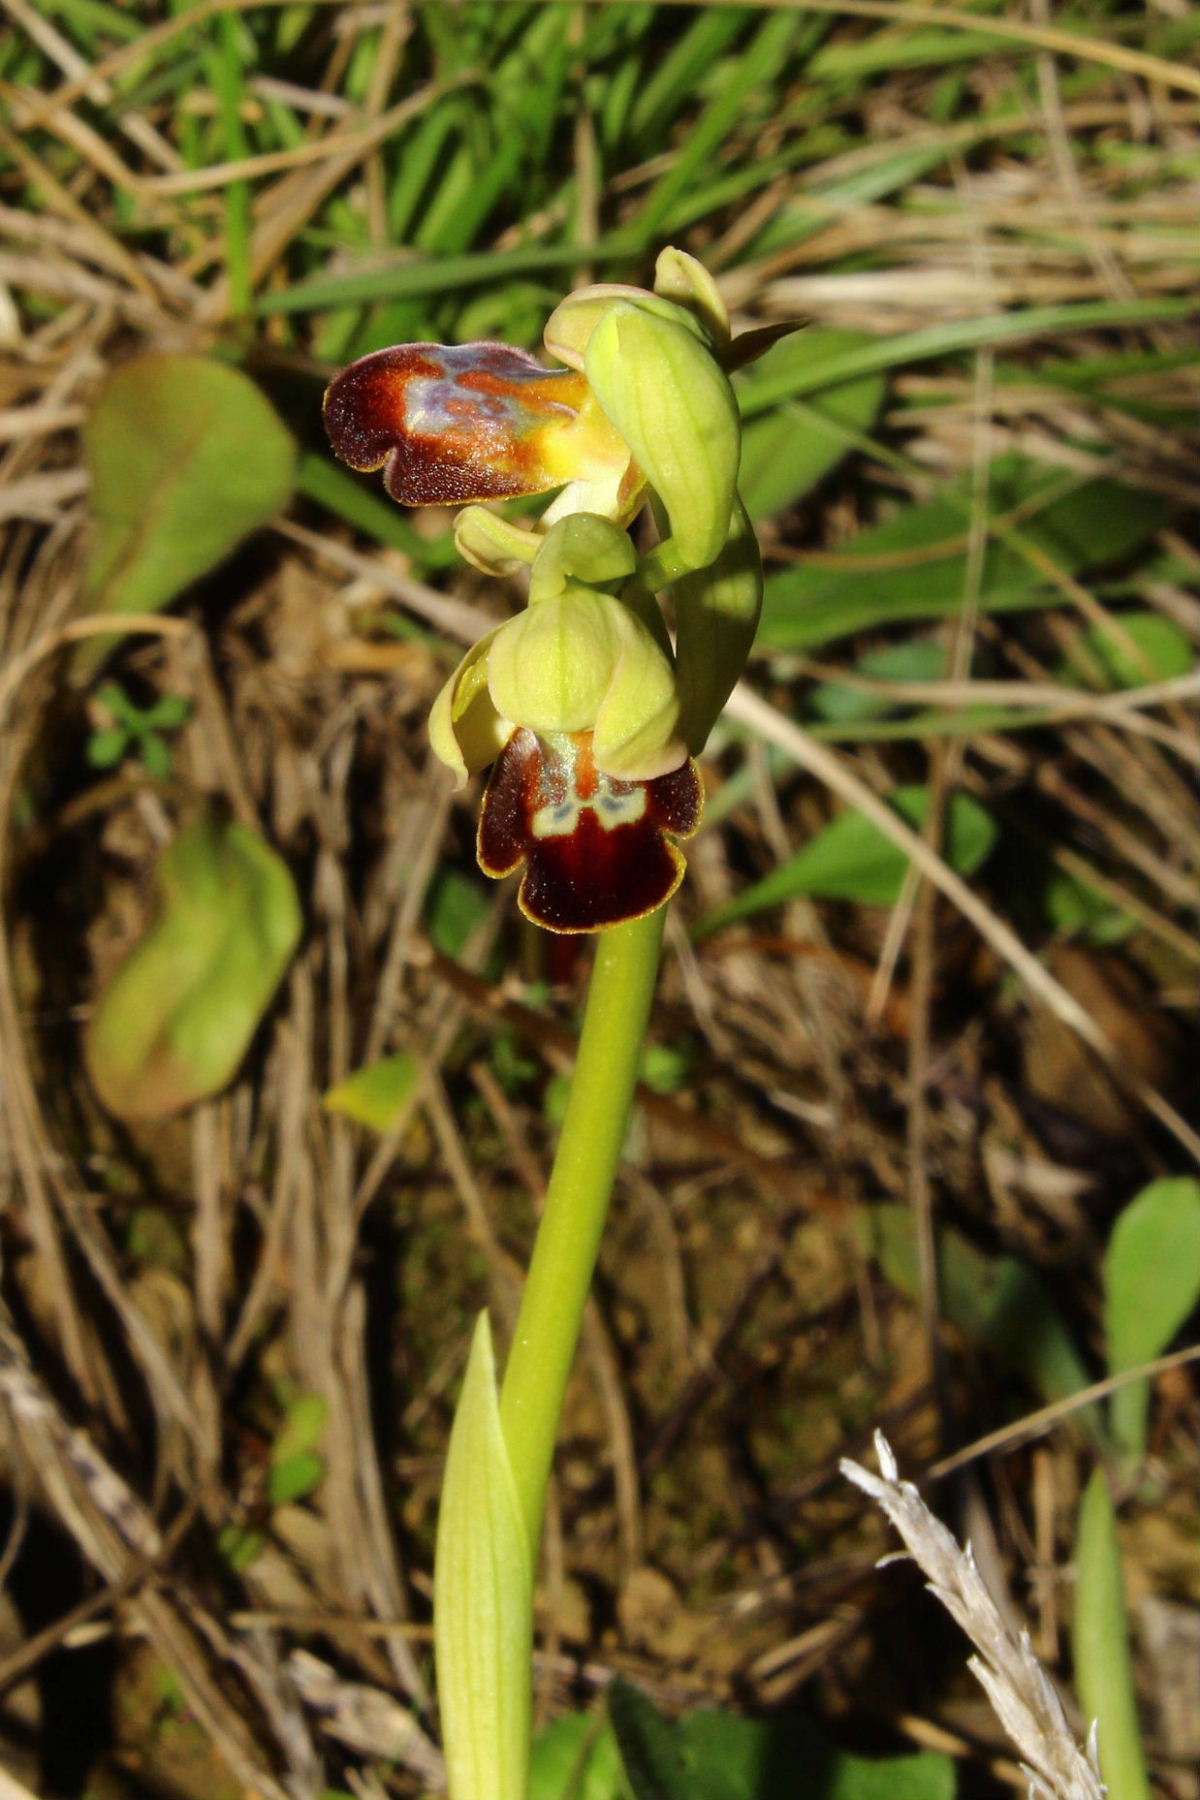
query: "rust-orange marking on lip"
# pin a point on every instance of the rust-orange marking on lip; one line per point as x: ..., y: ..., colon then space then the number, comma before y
x: 474, y: 431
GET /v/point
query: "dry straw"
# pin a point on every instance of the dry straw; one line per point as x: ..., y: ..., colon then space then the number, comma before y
x: 1020, y: 1691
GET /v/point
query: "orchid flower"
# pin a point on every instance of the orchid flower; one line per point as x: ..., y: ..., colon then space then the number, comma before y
x: 589, y: 712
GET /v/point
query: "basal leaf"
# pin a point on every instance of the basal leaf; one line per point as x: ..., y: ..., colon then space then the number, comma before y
x: 787, y: 451
x: 789, y: 1757
x: 483, y: 1598
x: 1103, y: 1665
x: 850, y: 859
x: 575, y: 1758
x: 176, y: 1019
x: 649, y: 1744
x: 187, y: 457
x: 914, y: 566
x: 1151, y: 1283
x: 997, y: 1302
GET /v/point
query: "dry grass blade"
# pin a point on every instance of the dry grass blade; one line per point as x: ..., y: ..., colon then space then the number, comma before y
x: 1021, y: 1694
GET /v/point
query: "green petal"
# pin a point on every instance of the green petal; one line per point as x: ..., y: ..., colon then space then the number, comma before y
x: 584, y: 548
x: 465, y: 730
x: 492, y: 544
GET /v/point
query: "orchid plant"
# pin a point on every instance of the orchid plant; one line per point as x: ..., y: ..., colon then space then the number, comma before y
x: 590, y: 716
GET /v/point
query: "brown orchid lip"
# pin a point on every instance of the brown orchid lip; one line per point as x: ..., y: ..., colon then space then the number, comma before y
x: 597, y: 851
x: 450, y: 423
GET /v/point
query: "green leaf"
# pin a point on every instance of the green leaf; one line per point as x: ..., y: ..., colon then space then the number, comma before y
x: 789, y: 1757
x: 106, y: 748
x: 575, y: 1758
x: 850, y: 859
x: 997, y: 1302
x: 169, y: 712
x: 1078, y: 910
x: 916, y: 659
x: 186, y: 459
x: 667, y: 1067
x: 376, y: 1094
x: 295, y: 1476
x: 156, y: 756
x: 303, y: 1427
x: 1103, y: 1665
x: 787, y: 451
x: 240, y: 1545
x: 176, y: 1019
x: 457, y: 905
x: 483, y: 1598
x: 1151, y: 1284
x: 914, y: 566
x: 1161, y: 650
x: 651, y: 1754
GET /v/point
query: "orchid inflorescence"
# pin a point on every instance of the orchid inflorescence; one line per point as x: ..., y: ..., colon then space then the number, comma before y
x: 588, y: 711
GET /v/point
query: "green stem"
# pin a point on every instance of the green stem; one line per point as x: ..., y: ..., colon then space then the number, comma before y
x: 568, y: 1239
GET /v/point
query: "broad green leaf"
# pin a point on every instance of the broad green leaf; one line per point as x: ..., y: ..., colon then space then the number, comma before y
x: 997, y: 1302
x: 176, y: 1019
x: 575, y: 1758
x: 914, y: 566
x: 915, y: 659
x: 483, y: 1598
x: 1161, y: 649
x: 850, y: 859
x: 187, y: 458
x: 719, y: 1756
x: 790, y: 1758
x: 649, y: 1744
x: 376, y: 1094
x: 1151, y: 1284
x: 786, y: 452
x: 1103, y: 1665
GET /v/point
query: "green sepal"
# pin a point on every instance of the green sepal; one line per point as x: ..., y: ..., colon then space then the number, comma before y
x: 665, y: 392
x: 716, y: 617
x: 493, y: 545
